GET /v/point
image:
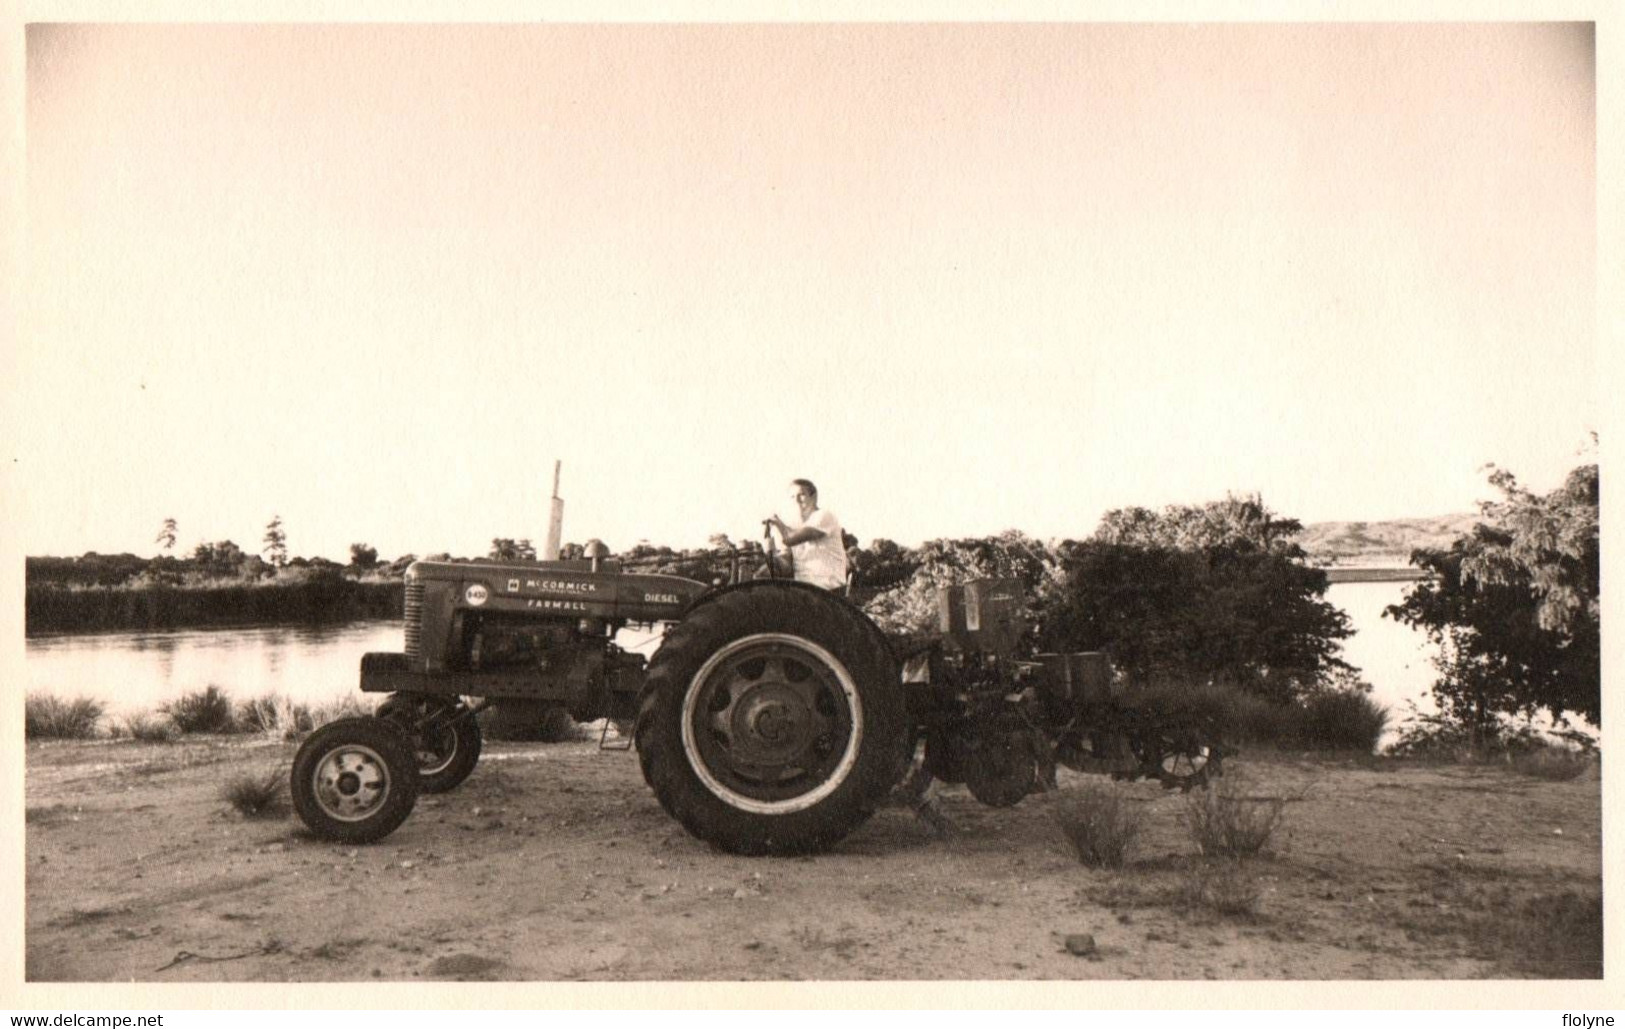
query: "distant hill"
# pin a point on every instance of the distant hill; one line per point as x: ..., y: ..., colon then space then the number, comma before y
x: 1385, y: 544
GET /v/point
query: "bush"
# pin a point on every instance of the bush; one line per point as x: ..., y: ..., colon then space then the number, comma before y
x: 1101, y: 828
x: 1557, y: 764
x: 1254, y: 720
x: 1171, y: 701
x: 206, y: 710
x: 1346, y: 719
x: 47, y: 717
x: 149, y: 729
x: 256, y: 796
x: 1224, y: 823
x: 1439, y: 737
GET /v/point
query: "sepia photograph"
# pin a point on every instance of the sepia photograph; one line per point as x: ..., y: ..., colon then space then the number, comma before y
x: 782, y: 502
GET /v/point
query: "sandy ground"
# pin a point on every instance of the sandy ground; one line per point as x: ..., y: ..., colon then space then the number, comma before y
x: 554, y: 862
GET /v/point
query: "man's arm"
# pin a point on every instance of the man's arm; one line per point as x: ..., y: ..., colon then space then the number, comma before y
x: 805, y: 534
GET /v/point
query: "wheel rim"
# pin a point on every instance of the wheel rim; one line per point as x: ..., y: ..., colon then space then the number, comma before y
x: 771, y: 723
x: 350, y: 783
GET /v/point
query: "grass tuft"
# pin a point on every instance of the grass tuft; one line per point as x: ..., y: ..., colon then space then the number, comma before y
x: 256, y: 796
x: 276, y: 716
x: 202, y: 711
x: 347, y: 706
x: 1099, y: 825
x: 1555, y: 764
x: 1225, y: 823
x: 1222, y: 887
x: 1546, y: 936
x: 47, y: 717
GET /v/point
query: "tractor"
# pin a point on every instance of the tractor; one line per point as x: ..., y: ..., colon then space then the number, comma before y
x: 773, y: 718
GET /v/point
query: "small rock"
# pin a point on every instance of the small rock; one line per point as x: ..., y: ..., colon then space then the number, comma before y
x: 1557, y: 832
x: 1080, y: 944
x: 408, y: 864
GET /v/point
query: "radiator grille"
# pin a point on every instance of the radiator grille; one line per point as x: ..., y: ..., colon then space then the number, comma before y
x: 414, y: 618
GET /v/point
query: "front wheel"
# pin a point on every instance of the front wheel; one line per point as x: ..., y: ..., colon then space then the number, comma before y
x: 355, y: 780
x: 773, y: 720
x: 446, y: 753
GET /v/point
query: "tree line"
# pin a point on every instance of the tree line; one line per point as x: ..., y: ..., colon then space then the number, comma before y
x: 1210, y: 594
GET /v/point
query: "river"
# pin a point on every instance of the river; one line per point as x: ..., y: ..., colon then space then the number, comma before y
x: 134, y: 672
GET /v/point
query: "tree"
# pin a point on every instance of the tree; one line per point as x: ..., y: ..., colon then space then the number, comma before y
x: 363, y: 556
x: 1236, y: 522
x: 504, y: 549
x: 166, y: 535
x: 1210, y: 593
x: 1514, y: 607
x: 222, y: 558
x: 912, y: 606
x: 276, y: 542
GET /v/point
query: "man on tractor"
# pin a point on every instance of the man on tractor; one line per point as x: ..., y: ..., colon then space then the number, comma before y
x: 817, y: 550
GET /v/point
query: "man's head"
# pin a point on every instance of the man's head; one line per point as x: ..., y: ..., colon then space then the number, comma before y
x: 805, y: 494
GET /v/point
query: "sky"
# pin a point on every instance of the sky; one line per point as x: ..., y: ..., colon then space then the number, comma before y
x: 377, y: 279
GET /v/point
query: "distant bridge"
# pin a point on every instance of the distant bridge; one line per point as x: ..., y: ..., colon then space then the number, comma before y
x: 1409, y: 573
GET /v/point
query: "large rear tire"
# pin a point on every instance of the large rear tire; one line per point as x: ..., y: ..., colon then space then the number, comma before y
x: 773, y: 720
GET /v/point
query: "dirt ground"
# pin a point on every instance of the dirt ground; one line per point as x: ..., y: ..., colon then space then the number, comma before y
x: 554, y: 862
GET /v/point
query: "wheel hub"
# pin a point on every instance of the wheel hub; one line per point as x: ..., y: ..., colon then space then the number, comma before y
x: 770, y: 722
x: 351, y: 783
x: 773, y: 724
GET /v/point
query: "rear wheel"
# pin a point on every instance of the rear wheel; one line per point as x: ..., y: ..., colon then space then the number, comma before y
x: 355, y: 780
x: 773, y: 721
x: 446, y: 754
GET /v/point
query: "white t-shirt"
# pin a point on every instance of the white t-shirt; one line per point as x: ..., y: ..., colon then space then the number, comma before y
x: 822, y: 561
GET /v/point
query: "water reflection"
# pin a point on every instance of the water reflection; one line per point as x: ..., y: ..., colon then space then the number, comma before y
x: 132, y: 672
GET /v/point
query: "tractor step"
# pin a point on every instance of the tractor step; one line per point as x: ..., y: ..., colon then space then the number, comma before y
x: 619, y: 743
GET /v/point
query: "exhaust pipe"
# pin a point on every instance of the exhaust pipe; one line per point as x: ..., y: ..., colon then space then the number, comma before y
x: 555, y: 519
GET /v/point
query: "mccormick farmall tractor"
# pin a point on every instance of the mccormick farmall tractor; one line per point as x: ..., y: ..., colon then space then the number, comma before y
x: 773, y: 719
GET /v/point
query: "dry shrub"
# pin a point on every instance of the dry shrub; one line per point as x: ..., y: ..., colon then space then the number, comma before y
x: 275, y: 715
x: 1223, y: 887
x: 1543, y: 935
x: 347, y: 706
x: 47, y: 717
x: 1225, y: 823
x: 256, y: 796
x: 207, y: 710
x: 151, y: 729
x: 1101, y: 827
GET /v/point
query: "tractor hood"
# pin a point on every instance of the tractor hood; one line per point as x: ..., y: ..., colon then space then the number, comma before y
x: 562, y: 589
